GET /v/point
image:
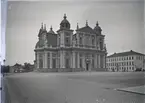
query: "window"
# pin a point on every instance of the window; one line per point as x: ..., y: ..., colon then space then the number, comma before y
x: 48, y: 60
x: 80, y: 62
x: 76, y: 60
x: 93, y: 41
x: 59, y: 41
x: 67, y: 63
x: 67, y: 60
x: 80, y: 41
x: 40, y: 60
x: 101, y: 45
x: 67, y: 41
x: 53, y: 63
x: 132, y: 58
x: 132, y: 63
x: 92, y: 62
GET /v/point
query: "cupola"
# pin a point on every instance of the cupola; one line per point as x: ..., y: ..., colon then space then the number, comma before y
x: 64, y: 23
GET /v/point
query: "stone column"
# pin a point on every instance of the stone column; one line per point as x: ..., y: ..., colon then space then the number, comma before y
x: 45, y: 60
x: 62, y: 64
x: 78, y: 40
x: 37, y: 60
x: 62, y: 39
x: 78, y: 58
x: 99, y: 61
x: 43, y: 56
x: 95, y: 61
x: 73, y: 60
x: 50, y: 59
x: 84, y: 62
x: 104, y: 60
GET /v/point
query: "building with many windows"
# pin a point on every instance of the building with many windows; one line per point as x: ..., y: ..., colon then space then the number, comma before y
x: 65, y: 51
x: 125, y: 61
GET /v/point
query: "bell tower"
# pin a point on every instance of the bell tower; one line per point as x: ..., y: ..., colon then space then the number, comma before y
x: 65, y: 33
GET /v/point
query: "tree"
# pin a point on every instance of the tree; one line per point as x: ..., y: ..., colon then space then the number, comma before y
x: 28, y: 66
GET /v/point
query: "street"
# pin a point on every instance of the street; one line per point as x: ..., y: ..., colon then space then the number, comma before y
x: 83, y: 87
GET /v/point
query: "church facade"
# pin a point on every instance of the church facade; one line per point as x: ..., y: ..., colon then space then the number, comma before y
x: 65, y: 51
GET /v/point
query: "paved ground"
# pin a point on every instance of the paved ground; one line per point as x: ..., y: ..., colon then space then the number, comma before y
x: 73, y: 87
x: 137, y: 89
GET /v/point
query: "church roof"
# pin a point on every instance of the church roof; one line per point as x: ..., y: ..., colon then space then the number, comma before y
x: 40, y: 43
x: 86, y: 29
x: 125, y: 54
x: 51, y: 31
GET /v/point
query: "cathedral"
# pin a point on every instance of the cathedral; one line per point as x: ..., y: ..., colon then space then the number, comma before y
x: 65, y: 51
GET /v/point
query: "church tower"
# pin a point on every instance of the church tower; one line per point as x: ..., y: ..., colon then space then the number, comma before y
x: 65, y: 33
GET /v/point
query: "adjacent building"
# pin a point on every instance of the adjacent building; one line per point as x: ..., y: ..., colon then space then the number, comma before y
x: 67, y: 51
x: 126, y: 61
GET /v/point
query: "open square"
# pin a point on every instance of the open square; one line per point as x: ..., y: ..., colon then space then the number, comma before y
x: 81, y: 87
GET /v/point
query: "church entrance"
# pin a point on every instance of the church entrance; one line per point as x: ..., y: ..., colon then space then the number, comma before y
x: 87, y: 66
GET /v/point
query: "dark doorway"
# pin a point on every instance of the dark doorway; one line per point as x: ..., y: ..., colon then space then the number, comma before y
x: 87, y: 66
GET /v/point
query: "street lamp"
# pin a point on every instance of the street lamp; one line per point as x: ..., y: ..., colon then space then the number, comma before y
x: 87, y: 63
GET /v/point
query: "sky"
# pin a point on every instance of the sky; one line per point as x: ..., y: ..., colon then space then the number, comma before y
x: 122, y: 23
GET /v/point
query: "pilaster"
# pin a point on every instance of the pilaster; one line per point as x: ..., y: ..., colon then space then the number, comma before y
x: 78, y: 58
x: 73, y: 60
x: 99, y: 61
x: 37, y: 59
x: 43, y: 56
x: 62, y: 63
x: 62, y: 39
x: 50, y: 59
x: 45, y: 59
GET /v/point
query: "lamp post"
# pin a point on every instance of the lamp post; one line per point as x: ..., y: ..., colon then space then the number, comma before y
x: 87, y: 64
x: 3, y: 67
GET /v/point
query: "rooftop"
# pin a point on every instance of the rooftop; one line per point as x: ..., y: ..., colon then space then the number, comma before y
x: 86, y: 29
x: 125, y: 54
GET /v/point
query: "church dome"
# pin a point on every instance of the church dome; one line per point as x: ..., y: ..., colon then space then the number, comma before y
x: 51, y: 31
x: 64, y: 23
x: 97, y: 28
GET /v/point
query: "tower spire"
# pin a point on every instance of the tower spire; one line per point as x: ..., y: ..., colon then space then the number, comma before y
x: 97, y: 23
x: 42, y: 25
x: 86, y: 22
x: 77, y: 26
x: 51, y: 28
x: 64, y: 16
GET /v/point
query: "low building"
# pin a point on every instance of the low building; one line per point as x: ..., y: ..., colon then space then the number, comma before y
x: 125, y: 61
